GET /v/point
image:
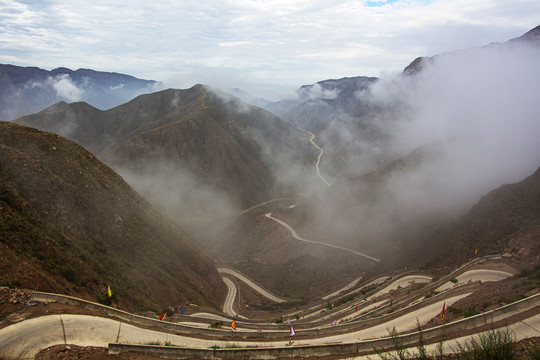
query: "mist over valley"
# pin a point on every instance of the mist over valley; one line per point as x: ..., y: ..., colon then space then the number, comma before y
x: 420, y: 169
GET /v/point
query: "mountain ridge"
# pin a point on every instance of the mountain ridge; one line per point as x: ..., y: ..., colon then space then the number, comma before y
x: 26, y: 90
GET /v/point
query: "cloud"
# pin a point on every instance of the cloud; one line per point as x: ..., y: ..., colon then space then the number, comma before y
x: 65, y: 88
x: 268, y: 42
x: 465, y: 125
x: 316, y: 91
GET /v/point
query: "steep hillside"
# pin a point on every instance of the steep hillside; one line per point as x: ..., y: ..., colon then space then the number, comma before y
x: 505, y: 221
x: 26, y: 90
x: 72, y: 225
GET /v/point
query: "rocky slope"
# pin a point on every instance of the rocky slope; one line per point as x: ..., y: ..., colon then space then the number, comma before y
x: 70, y: 224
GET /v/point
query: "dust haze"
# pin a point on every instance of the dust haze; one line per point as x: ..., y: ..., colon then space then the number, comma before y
x: 428, y: 146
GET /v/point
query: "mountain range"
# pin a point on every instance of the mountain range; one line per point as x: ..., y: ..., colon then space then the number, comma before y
x: 195, y: 153
x: 406, y: 158
x: 26, y: 90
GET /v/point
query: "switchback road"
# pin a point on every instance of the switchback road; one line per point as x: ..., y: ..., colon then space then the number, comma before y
x: 295, y: 235
x: 267, y: 294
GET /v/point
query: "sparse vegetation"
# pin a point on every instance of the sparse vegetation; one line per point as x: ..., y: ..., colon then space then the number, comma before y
x: 495, y: 344
x: 492, y: 345
x: 468, y: 312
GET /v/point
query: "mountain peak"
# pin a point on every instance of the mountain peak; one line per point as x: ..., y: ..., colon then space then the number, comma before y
x: 532, y: 36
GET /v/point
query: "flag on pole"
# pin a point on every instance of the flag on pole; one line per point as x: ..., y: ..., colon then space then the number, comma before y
x: 266, y: 315
x: 109, y: 291
x: 233, y: 324
x: 182, y: 309
x: 442, y: 312
x: 292, y: 331
x: 391, y: 301
x: 162, y: 317
x: 356, y: 308
x: 334, y: 322
x: 475, y: 251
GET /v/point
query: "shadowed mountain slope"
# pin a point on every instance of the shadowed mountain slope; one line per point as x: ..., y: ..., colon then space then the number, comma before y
x: 505, y: 221
x: 72, y: 225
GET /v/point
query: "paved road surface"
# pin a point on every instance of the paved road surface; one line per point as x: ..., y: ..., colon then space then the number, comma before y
x: 251, y: 284
x: 318, y: 158
x: 228, y: 305
x: 295, y: 235
x: 345, y: 288
x: 403, y: 282
x: 482, y: 275
x: 23, y: 340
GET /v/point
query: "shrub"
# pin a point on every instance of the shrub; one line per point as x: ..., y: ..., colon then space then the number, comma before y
x: 492, y: 345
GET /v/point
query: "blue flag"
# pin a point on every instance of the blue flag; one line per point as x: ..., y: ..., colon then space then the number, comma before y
x: 182, y: 310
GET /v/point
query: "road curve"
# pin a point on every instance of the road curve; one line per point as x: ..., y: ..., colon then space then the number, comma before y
x: 24, y: 339
x: 318, y: 158
x: 228, y: 305
x: 295, y: 235
x: 251, y: 283
x: 345, y: 288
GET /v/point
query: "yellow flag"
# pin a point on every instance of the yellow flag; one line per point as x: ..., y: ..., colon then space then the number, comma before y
x: 109, y: 291
x: 233, y: 324
x: 475, y: 251
x: 442, y: 312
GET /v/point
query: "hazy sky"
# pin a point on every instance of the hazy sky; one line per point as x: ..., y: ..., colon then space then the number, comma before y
x: 246, y: 42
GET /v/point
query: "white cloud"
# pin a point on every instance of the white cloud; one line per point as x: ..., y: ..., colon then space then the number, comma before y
x: 307, y: 40
x: 65, y: 88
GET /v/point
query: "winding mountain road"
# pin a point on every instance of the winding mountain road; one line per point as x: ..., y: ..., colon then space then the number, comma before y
x: 25, y: 339
x: 267, y: 294
x: 228, y: 305
x: 318, y: 158
x: 295, y: 235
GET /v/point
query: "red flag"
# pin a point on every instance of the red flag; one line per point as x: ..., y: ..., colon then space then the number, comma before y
x: 233, y: 324
x: 162, y: 317
x: 442, y: 312
x: 292, y: 331
x: 356, y: 308
x: 267, y: 315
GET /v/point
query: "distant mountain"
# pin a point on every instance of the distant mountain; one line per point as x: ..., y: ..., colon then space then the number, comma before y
x: 179, y: 145
x: 531, y: 37
x: 318, y: 104
x: 26, y: 90
x: 70, y: 224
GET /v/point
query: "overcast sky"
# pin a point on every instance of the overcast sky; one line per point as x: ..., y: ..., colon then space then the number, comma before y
x: 247, y: 43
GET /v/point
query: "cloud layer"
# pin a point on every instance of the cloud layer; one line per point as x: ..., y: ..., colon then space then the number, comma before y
x: 466, y: 124
x: 250, y: 42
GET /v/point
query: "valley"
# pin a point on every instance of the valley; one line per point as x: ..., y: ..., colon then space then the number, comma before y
x: 299, y: 228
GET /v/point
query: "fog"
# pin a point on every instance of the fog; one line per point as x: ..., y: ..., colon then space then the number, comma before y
x: 199, y: 209
x: 467, y: 123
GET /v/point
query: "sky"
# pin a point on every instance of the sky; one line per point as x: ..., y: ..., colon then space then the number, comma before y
x: 257, y: 45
